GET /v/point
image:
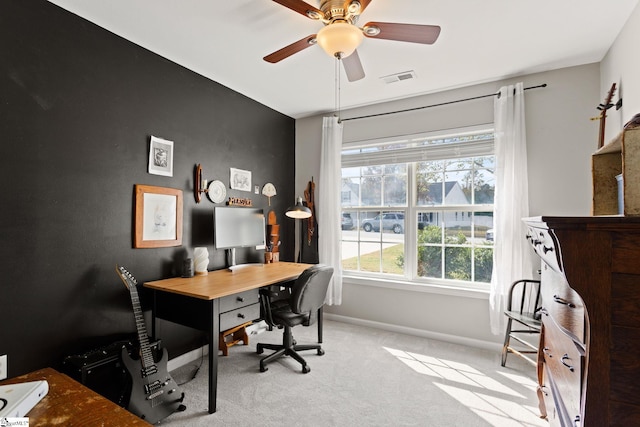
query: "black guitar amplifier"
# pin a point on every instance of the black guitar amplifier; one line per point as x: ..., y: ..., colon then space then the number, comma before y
x: 102, y: 371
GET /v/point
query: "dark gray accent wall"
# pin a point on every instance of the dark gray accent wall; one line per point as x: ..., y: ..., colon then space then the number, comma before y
x: 78, y: 105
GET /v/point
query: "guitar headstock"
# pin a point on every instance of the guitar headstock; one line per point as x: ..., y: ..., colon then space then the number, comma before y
x: 607, y: 102
x: 126, y: 277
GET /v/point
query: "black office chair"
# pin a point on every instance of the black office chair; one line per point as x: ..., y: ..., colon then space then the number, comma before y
x: 523, y: 307
x: 301, y: 308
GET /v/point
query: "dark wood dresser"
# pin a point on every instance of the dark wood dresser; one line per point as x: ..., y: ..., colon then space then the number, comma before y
x: 589, y: 356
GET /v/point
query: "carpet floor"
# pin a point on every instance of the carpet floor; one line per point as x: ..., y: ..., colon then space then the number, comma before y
x: 368, y: 377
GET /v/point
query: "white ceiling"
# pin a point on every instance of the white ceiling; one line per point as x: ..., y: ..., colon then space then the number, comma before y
x: 480, y: 41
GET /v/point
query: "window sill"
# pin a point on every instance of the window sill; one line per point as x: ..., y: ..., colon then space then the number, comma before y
x: 403, y: 285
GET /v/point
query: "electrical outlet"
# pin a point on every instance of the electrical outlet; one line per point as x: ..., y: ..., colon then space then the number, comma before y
x: 3, y: 367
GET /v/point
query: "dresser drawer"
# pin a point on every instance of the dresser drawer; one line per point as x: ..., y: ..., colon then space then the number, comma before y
x: 555, y: 409
x: 242, y: 299
x: 239, y: 316
x: 546, y: 246
x: 563, y: 304
x: 565, y: 366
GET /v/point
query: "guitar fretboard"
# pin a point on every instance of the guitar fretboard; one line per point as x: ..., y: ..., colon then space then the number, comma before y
x: 146, y: 356
x: 145, y: 349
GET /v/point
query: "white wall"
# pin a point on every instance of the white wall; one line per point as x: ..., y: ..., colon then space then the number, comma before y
x: 560, y: 140
x: 621, y: 65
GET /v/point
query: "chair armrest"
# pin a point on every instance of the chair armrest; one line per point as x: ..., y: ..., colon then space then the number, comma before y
x: 266, y: 295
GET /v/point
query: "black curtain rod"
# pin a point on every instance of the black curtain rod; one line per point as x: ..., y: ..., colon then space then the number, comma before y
x: 436, y: 105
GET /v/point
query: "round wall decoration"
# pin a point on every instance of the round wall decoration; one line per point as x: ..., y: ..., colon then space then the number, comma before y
x: 217, y: 191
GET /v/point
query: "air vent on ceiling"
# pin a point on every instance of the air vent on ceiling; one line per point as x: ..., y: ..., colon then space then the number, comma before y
x: 398, y: 77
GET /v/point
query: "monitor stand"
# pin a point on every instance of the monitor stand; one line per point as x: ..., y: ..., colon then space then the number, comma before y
x: 231, y: 261
x: 231, y: 258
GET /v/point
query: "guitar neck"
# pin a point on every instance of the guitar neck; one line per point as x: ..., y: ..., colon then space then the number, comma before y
x: 146, y: 355
x: 603, y: 116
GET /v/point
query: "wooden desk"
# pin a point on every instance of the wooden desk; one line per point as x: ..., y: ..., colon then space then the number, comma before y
x: 195, y: 301
x: 69, y: 403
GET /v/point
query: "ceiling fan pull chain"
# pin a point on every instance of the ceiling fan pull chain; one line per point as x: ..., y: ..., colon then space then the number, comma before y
x: 337, y: 87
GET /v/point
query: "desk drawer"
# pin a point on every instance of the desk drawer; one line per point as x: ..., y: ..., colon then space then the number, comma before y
x: 242, y: 299
x: 239, y: 316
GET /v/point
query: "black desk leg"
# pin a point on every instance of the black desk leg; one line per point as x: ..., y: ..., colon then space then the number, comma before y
x: 320, y: 315
x: 214, y: 336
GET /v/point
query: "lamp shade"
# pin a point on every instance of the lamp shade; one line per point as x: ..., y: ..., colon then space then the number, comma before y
x: 298, y: 211
x: 339, y: 39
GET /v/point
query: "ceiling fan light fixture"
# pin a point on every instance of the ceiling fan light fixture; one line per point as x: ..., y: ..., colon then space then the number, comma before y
x: 339, y: 39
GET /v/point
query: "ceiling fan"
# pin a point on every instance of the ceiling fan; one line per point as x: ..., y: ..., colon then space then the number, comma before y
x: 341, y: 35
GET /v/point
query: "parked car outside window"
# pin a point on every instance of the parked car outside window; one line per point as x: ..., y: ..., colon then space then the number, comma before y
x: 393, y: 221
x: 347, y: 221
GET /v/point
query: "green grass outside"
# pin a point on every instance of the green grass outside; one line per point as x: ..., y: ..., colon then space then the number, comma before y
x: 371, y: 261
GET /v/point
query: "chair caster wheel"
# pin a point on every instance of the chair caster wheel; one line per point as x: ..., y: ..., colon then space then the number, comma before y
x: 306, y: 369
x: 320, y: 352
x: 259, y: 350
x: 263, y: 369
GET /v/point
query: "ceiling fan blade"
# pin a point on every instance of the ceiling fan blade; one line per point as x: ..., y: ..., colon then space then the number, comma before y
x: 425, y: 34
x: 302, y: 8
x: 353, y: 67
x: 363, y: 4
x: 294, y: 47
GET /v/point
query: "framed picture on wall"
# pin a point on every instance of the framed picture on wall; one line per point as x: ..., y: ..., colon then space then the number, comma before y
x: 160, y: 156
x: 158, y: 217
x: 240, y: 179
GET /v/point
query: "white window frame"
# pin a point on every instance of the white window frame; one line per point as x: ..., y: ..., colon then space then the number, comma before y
x: 411, y: 156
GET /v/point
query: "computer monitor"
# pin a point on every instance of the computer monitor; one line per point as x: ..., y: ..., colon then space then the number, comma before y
x: 238, y: 227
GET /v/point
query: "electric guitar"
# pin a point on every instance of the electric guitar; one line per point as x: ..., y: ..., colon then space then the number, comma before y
x: 154, y: 394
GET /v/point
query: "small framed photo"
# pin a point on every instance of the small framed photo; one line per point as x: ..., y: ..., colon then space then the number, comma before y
x: 158, y: 217
x: 240, y: 179
x: 160, y: 156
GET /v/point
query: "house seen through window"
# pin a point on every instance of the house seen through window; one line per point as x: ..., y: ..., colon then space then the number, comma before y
x: 420, y: 208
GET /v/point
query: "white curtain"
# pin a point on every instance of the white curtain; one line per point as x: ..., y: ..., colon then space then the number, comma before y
x: 328, y: 208
x: 512, y: 256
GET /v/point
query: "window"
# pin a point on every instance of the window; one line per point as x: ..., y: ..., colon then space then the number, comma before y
x: 420, y: 208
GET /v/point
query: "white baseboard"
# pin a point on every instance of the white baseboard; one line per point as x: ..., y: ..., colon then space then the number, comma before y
x: 455, y: 339
x: 197, y: 353
x: 188, y: 357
